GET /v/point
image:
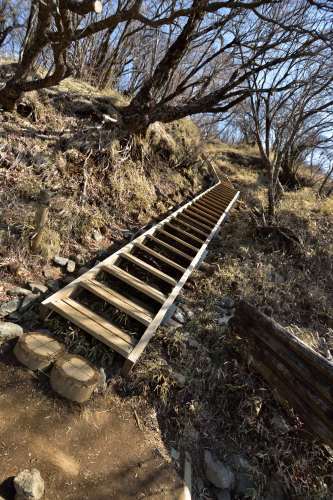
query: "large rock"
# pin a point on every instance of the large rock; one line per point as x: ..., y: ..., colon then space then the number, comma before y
x: 36, y: 287
x: 18, y: 291
x: 29, y: 300
x: 71, y: 266
x: 29, y: 485
x: 61, y: 261
x: 218, y: 473
x: 9, y: 307
x: 9, y: 331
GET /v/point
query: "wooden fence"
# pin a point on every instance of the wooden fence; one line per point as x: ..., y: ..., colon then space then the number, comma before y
x: 300, y: 375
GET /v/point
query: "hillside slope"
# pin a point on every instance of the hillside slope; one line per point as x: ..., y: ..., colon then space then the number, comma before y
x: 193, y: 379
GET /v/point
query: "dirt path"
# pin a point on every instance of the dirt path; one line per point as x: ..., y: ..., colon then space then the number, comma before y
x: 94, y: 452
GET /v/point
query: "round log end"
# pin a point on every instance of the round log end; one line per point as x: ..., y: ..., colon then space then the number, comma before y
x: 74, y: 378
x: 37, y: 350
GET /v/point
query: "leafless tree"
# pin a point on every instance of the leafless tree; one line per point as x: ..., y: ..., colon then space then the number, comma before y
x: 195, y: 57
x: 291, y: 115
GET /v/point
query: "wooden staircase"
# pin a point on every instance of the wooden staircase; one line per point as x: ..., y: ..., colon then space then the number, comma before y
x: 141, y: 280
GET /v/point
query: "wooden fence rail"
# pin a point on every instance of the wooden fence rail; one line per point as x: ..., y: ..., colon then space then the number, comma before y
x: 301, y: 376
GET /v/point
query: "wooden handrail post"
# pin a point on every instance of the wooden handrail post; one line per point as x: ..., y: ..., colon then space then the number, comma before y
x: 41, y: 218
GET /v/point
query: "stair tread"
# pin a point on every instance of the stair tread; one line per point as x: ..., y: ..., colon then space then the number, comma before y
x: 94, y: 324
x: 179, y: 240
x: 195, y: 238
x: 161, y: 257
x: 121, y: 302
x: 150, y: 268
x: 135, y: 282
x: 170, y: 247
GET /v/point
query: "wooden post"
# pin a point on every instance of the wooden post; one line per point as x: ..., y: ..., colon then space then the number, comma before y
x: 41, y: 218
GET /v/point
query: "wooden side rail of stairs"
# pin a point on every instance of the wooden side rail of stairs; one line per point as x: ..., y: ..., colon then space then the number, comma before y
x: 144, y: 277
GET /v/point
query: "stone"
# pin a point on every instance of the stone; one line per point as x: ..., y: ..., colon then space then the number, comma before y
x: 29, y: 485
x: 37, y: 287
x: 227, y: 303
x: 71, y: 266
x: 61, y: 261
x: 97, y: 236
x: 79, y: 259
x: 18, y: 291
x: 9, y: 331
x: 179, y: 316
x: 224, y: 321
x: 51, y: 273
x: 9, y: 307
x: 102, y: 384
x: 218, y: 473
x: 174, y: 454
x: 53, y: 285
x: 29, y: 300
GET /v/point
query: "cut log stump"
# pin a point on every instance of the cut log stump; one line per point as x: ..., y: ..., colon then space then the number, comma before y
x: 74, y: 378
x: 37, y: 350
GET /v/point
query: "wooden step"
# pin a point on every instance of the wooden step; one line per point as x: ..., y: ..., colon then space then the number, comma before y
x: 202, y: 212
x: 119, y: 301
x: 187, y: 225
x: 214, y: 206
x: 176, y: 228
x: 135, y: 282
x: 94, y: 324
x: 179, y: 240
x: 170, y: 247
x: 149, y: 268
x: 217, y: 206
x: 219, y: 199
x: 194, y: 214
x: 160, y: 257
x: 202, y: 205
x: 191, y: 220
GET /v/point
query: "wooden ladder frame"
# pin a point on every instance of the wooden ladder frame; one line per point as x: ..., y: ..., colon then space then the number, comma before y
x: 220, y: 198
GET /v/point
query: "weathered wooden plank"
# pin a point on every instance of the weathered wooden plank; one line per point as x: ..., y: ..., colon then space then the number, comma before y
x: 202, y: 211
x: 94, y: 324
x: 160, y: 257
x: 135, y: 282
x: 179, y: 240
x: 119, y: 301
x: 170, y: 247
x: 191, y: 227
x: 192, y: 220
x: 176, y: 228
x: 149, y: 268
x: 202, y: 206
x: 201, y: 218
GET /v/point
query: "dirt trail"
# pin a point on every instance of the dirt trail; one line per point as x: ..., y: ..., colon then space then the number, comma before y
x: 94, y: 452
